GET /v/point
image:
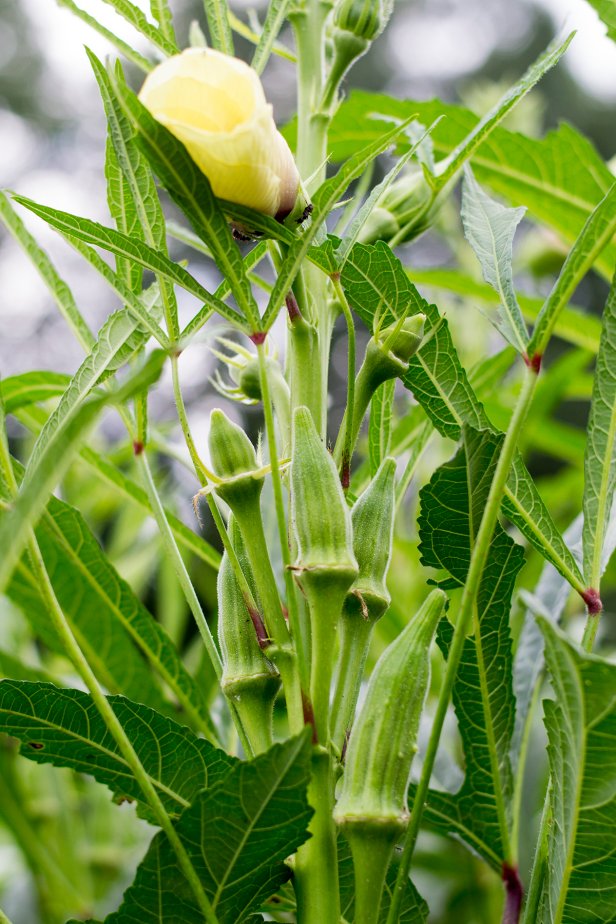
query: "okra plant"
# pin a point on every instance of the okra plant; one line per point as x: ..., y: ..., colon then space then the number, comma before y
x: 335, y: 711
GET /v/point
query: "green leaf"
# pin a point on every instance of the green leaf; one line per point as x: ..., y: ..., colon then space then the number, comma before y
x: 59, y: 290
x: 64, y: 728
x: 162, y: 14
x: 440, y: 384
x: 133, y: 15
x: 53, y: 458
x: 30, y: 387
x: 379, y: 430
x: 217, y: 14
x: 323, y: 200
x: 607, y: 12
x: 452, y: 505
x: 124, y: 214
x: 123, y: 633
x: 123, y: 47
x: 118, y: 339
x: 559, y: 178
x: 489, y: 228
x: 130, y: 248
x: 377, y: 285
x: 237, y: 834
x: 579, y: 882
x: 573, y: 324
x: 592, y: 240
x: 192, y: 193
x: 505, y: 104
x: 276, y: 15
x: 600, y: 456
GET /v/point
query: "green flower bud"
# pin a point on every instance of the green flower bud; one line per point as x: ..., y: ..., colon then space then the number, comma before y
x: 361, y: 18
x: 321, y: 518
x: 234, y: 461
x: 404, y: 212
x: 384, y: 739
x: 387, y: 357
x: 248, y: 678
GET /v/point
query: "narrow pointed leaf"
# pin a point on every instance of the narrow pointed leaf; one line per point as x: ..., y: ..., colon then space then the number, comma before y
x: 123, y: 47
x: 64, y: 728
x: 238, y: 834
x: 489, y: 228
x: 19, y: 391
x: 379, y: 430
x: 59, y: 290
x: 600, y: 456
x: 133, y: 15
x: 162, y: 14
x: 217, y: 14
x: 52, y: 462
x: 276, y: 15
x: 127, y: 247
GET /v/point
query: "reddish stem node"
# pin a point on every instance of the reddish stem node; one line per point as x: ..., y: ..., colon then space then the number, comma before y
x: 345, y: 473
x: 534, y: 362
x: 258, y: 337
x: 138, y: 447
x: 292, y: 308
x: 514, y: 893
x: 593, y: 601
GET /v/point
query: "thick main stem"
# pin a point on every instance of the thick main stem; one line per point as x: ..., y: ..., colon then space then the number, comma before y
x: 469, y: 596
x: 316, y: 862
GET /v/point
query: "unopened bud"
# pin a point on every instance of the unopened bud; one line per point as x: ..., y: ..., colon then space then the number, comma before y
x: 234, y: 461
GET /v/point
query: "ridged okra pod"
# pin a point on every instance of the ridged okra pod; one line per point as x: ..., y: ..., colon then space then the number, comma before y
x: 235, y: 462
x: 249, y: 680
x: 326, y: 565
x: 372, y: 809
x: 368, y: 597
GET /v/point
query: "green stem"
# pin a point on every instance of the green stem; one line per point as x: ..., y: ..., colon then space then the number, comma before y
x: 3, y: 918
x: 372, y: 851
x: 316, y: 862
x: 355, y: 634
x: 178, y: 563
x: 76, y: 656
x: 477, y: 563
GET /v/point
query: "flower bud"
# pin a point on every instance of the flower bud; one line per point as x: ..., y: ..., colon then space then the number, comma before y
x: 384, y: 739
x: 388, y: 353
x: 361, y: 18
x: 373, y: 529
x: 321, y: 518
x: 234, y: 461
x: 404, y: 211
x: 215, y: 105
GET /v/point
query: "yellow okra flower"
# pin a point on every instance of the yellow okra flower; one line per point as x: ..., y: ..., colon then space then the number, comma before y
x: 215, y: 105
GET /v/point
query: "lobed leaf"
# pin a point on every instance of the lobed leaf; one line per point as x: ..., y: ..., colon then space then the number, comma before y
x: 452, y: 505
x: 123, y: 47
x: 237, y: 834
x: 559, y: 179
x: 64, y: 728
x: 133, y: 15
x: 579, y: 881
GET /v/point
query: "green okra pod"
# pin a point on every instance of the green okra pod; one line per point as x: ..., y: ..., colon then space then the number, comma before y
x: 368, y: 597
x: 249, y: 679
x: 326, y: 565
x: 371, y: 809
